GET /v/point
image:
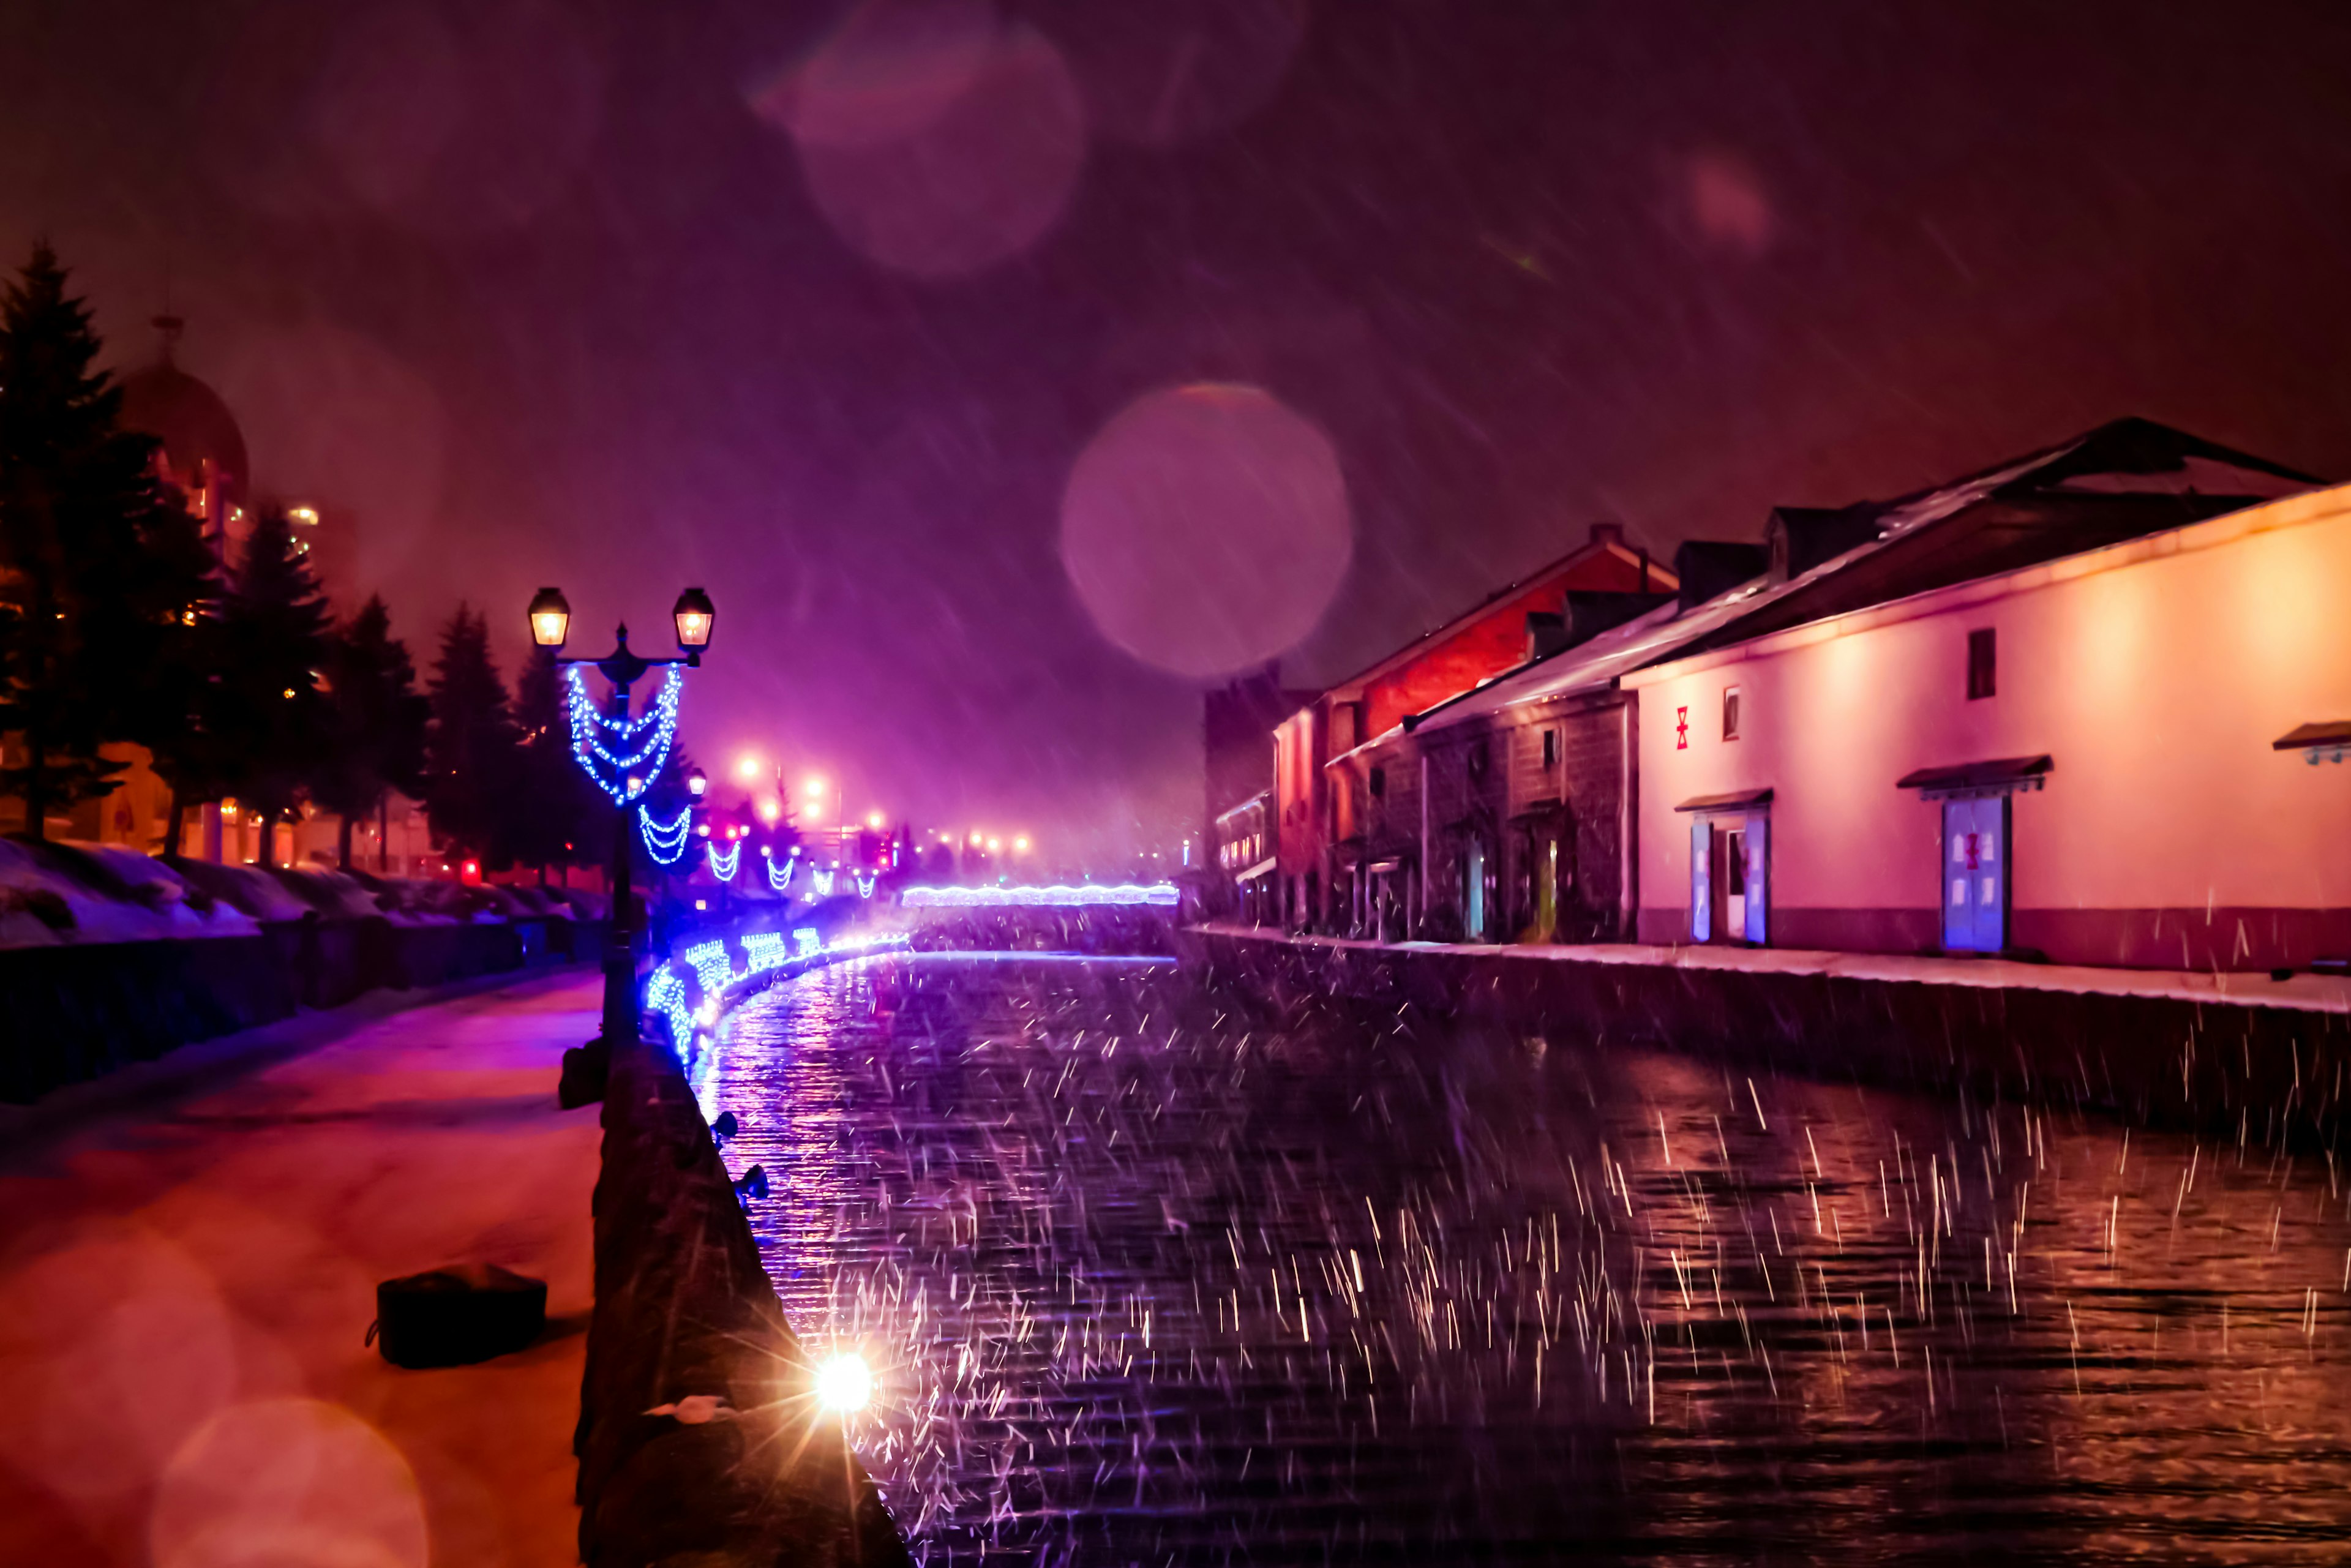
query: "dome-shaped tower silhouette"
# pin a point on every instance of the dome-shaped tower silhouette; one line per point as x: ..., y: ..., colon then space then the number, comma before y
x: 201, y: 451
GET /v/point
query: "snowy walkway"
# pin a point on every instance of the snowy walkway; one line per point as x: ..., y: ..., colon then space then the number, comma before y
x: 186, y: 1274
x: 2303, y: 992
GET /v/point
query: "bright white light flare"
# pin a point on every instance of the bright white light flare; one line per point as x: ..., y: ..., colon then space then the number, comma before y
x: 844, y: 1383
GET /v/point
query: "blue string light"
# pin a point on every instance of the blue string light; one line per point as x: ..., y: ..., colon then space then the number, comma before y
x: 666, y: 996
x: 865, y: 883
x: 780, y: 883
x: 724, y: 863
x: 710, y: 963
x: 823, y: 880
x: 716, y: 981
x: 637, y: 767
x: 665, y: 842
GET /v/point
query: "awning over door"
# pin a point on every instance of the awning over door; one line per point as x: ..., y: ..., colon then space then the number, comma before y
x: 1540, y: 814
x: 1262, y: 868
x: 1998, y: 777
x: 2330, y: 739
x: 1737, y: 800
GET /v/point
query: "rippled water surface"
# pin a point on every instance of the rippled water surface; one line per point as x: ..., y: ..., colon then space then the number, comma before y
x: 1153, y: 1277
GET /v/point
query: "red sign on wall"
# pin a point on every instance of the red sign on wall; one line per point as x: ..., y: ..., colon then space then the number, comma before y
x: 1681, y: 729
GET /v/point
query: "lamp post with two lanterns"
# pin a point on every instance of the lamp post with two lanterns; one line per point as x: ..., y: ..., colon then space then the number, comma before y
x: 550, y: 624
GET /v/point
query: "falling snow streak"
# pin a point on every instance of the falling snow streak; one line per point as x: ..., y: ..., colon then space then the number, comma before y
x: 1153, y: 1277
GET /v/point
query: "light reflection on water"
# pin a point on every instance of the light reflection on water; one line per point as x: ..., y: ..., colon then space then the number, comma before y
x: 1153, y: 1279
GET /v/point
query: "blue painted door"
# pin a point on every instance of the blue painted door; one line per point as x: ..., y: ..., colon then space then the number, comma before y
x: 1975, y: 875
x: 1701, y: 880
x: 1473, y: 890
x: 1758, y: 876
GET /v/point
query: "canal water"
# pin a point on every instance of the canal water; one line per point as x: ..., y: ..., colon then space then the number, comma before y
x: 1152, y: 1276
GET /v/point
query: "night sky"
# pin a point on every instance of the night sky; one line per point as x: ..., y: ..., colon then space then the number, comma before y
x: 823, y: 314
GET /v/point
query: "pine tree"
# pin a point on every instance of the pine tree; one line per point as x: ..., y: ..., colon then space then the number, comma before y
x: 554, y: 816
x: 376, y: 720
x: 101, y: 574
x: 471, y: 745
x: 193, y: 741
x: 274, y: 645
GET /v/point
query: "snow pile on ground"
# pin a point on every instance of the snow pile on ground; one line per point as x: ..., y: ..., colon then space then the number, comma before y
x: 79, y: 893
x: 53, y: 894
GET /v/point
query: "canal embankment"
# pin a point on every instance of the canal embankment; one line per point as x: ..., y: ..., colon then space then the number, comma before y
x: 699, y: 1438
x: 2242, y: 1053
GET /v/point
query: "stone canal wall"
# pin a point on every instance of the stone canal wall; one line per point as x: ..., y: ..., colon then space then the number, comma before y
x: 2237, y: 1055
x: 740, y: 1468
x: 74, y: 1011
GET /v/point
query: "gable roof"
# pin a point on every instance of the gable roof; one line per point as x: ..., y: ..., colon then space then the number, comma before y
x: 2123, y: 480
x: 1436, y: 636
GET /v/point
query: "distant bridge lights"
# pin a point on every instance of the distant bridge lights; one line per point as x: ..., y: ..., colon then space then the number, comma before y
x: 1159, y: 894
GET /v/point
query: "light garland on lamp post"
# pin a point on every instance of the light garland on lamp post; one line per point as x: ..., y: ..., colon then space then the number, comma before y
x: 665, y: 842
x: 724, y: 863
x: 631, y: 773
x: 624, y: 756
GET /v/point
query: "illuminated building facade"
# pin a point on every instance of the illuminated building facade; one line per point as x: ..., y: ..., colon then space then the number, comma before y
x: 2124, y: 757
x: 1320, y: 843
x: 1597, y: 793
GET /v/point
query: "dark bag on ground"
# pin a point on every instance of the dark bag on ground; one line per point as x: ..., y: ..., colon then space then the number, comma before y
x: 586, y: 1069
x: 457, y: 1315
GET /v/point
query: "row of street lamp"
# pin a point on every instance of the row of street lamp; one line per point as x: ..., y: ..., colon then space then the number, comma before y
x: 694, y: 617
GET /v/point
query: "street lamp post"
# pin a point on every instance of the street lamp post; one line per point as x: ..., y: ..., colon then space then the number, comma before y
x: 551, y: 620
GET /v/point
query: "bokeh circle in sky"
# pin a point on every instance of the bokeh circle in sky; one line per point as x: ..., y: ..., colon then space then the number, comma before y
x: 458, y: 119
x: 1164, y: 72
x: 940, y: 187
x: 1207, y: 527
x: 889, y: 70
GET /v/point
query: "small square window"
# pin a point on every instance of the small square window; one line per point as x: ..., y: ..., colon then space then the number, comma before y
x: 1730, y: 713
x: 1550, y: 749
x: 1983, y: 664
